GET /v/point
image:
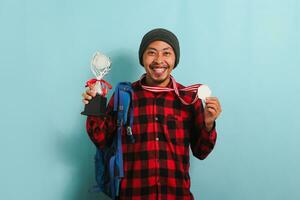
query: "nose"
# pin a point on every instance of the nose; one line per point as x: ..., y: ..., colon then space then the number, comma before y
x: 159, y: 59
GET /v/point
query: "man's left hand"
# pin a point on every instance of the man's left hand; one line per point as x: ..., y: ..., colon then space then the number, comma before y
x: 211, y: 112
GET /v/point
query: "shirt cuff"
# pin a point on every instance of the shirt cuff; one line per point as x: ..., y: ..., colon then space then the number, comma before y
x: 212, y: 129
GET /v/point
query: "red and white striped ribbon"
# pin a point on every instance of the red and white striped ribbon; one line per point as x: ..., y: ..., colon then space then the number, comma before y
x: 193, y: 88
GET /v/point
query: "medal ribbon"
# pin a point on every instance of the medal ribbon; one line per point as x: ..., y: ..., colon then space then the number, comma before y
x: 104, y: 85
x: 192, y: 88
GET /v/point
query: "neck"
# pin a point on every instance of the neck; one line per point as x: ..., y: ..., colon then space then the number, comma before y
x: 152, y: 83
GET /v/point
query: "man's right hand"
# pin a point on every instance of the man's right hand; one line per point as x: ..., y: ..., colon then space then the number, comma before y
x: 88, y: 94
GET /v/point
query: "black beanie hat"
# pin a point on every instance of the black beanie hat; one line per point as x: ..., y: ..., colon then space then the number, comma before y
x: 161, y: 35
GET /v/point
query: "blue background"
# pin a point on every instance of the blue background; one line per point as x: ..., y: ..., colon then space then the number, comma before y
x: 248, y: 52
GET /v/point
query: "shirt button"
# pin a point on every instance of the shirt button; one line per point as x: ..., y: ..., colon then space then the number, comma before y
x: 157, y: 181
x: 157, y: 139
x: 156, y: 118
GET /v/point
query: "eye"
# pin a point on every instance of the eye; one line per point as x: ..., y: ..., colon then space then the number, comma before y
x: 167, y: 53
x: 151, y: 53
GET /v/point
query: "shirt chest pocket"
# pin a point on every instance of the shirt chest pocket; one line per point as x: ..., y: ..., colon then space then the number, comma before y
x: 176, y: 130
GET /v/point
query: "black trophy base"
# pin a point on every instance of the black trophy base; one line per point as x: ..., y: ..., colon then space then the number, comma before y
x: 96, y: 106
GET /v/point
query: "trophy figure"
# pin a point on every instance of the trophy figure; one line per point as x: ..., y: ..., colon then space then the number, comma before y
x: 100, y: 65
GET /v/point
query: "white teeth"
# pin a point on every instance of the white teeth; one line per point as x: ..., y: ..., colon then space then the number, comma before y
x: 159, y: 70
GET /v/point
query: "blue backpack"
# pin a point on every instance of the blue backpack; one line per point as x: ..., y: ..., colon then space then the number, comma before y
x: 109, y: 161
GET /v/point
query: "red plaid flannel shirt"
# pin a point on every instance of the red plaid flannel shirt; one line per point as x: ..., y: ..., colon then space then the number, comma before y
x: 156, y: 166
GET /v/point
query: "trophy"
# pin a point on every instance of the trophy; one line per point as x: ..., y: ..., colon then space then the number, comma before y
x: 100, y: 65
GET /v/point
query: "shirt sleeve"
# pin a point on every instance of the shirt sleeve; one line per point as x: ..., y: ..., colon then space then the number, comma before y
x: 202, y: 141
x: 101, y: 129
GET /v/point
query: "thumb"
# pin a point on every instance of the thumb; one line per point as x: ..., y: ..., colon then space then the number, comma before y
x: 91, y: 90
x: 92, y: 86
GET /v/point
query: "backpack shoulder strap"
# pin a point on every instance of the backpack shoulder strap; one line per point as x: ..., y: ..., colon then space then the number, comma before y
x: 124, y: 108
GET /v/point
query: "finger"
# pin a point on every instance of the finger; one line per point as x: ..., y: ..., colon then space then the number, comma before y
x: 91, y: 92
x: 86, y: 96
x: 213, y: 109
x: 214, y: 106
x: 212, y: 113
x: 85, y: 101
x: 211, y: 106
x: 214, y: 101
x: 211, y: 98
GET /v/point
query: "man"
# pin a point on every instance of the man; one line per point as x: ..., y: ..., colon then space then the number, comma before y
x: 156, y: 166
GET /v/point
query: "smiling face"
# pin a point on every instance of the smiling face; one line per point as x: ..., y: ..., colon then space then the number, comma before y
x: 158, y: 61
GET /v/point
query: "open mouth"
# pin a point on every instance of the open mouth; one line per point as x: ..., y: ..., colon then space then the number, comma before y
x: 158, y: 71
